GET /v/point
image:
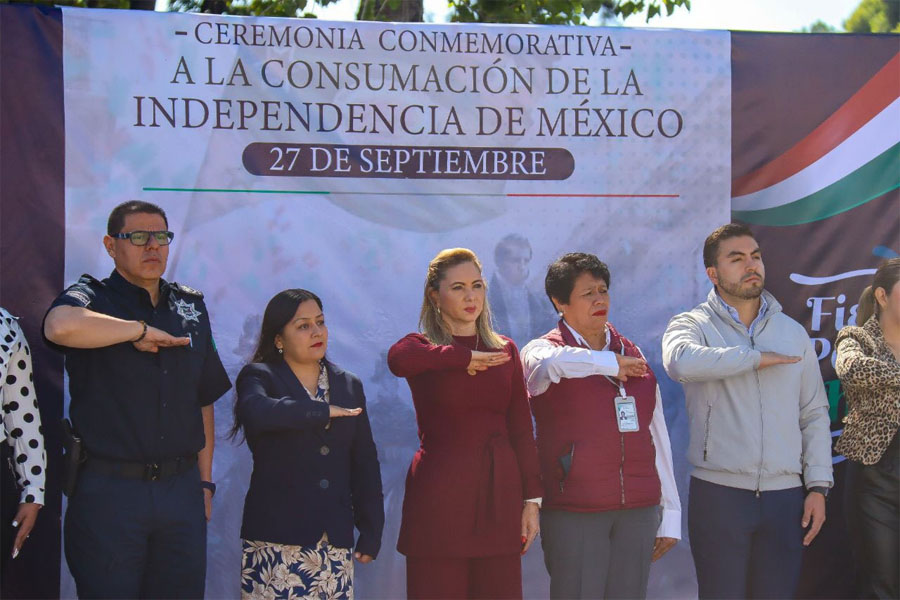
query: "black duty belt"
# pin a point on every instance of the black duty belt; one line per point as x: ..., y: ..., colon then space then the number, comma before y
x: 150, y: 471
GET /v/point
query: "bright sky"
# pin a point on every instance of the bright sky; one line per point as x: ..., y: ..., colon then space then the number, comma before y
x: 752, y: 15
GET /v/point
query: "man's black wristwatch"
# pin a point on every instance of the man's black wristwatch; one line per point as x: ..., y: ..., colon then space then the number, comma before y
x: 209, y: 485
x: 819, y: 488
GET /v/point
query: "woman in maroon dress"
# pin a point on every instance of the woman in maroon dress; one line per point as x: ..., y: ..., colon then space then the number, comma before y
x: 471, y: 504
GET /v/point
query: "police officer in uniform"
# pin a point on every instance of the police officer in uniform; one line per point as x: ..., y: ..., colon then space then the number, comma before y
x: 143, y: 376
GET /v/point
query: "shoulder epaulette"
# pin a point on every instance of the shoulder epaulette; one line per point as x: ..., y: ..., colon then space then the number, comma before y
x: 90, y: 280
x: 187, y: 290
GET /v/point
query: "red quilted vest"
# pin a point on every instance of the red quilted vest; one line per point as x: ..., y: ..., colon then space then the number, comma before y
x: 609, y: 470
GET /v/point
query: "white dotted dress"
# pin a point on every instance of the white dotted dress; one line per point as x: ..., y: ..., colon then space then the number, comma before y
x: 21, y: 420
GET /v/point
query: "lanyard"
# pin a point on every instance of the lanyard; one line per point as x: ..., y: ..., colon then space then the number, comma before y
x: 617, y: 382
x: 583, y: 343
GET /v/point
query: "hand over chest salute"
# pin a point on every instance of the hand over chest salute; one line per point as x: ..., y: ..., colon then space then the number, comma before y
x: 143, y: 376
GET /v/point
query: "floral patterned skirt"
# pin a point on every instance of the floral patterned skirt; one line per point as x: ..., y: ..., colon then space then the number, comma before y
x: 275, y: 571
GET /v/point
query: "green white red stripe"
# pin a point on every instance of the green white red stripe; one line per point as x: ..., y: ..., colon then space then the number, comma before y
x: 851, y: 158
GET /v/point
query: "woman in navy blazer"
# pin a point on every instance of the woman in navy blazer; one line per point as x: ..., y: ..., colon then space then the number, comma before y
x: 315, y: 467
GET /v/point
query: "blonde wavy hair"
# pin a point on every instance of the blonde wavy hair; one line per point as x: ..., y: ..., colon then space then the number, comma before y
x: 430, y: 322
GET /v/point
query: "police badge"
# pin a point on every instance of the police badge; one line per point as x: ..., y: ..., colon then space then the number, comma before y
x: 187, y: 311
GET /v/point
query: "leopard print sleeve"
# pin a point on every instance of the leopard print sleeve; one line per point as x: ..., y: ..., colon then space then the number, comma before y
x: 858, y: 365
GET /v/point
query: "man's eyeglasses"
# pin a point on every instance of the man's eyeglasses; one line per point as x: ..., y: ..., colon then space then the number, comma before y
x: 140, y: 238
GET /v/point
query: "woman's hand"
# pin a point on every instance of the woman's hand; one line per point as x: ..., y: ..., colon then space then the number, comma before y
x: 25, y: 518
x: 630, y: 366
x: 530, y: 525
x: 482, y: 361
x: 661, y: 546
x: 207, y: 503
x: 362, y: 558
x: 339, y: 411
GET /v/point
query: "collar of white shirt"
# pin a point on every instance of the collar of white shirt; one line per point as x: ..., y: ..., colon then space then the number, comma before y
x: 580, y: 338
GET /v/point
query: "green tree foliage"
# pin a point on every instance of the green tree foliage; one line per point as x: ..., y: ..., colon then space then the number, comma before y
x: 260, y: 8
x: 368, y: 10
x: 819, y: 26
x: 557, y: 12
x: 875, y: 16
x: 400, y: 11
x: 128, y: 4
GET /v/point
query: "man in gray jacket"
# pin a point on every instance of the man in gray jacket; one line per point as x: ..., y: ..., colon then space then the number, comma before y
x: 759, y: 427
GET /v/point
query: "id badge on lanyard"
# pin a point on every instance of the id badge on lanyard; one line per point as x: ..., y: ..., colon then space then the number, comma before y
x: 626, y: 407
x: 626, y: 412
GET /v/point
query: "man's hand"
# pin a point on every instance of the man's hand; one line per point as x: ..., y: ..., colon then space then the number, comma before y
x: 481, y: 361
x: 25, y: 518
x: 661, y: 546
x: 157, y: 338
x: 530, y: 524
x: 205, y: 456
x: 207, y: 503
x: 630, y: 366
x: 814, y: 511
x: 362, y: 558
x: 770, y: 359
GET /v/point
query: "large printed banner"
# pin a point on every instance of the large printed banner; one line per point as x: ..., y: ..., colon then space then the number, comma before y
x: 340, y: 157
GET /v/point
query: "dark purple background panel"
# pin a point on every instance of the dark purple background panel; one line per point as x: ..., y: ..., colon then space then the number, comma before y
x: 32, y: 236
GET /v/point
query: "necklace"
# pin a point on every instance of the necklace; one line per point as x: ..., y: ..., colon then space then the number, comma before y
x: 473, y: 371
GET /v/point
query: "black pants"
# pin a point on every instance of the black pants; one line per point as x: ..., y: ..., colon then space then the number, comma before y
x: 744, y: 546
x: 128, y: 538
x: 873, y: 511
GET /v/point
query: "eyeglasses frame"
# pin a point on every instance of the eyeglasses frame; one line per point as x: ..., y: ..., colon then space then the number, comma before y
x: 170, y: 237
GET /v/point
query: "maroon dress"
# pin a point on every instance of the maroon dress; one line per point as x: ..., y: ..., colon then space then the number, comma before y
x: 477, y: 460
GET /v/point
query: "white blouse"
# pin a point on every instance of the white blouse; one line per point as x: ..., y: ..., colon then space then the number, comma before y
x: 21, y: 420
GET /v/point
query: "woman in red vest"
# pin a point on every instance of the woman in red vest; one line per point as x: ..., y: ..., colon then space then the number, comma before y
x: 472, y: 492
x: 610, y: 505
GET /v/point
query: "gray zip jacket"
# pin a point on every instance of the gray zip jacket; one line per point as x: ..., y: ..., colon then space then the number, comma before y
x: 751, y: 429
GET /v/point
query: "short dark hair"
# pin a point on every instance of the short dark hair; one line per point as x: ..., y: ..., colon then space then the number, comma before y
x: 131, y: 207
x: 725, y: 232
x: 561, y: 275
x: 501, y: 250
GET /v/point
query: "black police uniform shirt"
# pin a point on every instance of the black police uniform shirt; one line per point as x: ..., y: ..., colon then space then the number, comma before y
x: 142, y: 406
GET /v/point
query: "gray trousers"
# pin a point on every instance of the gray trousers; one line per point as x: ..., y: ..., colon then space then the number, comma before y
x: 599, y: 555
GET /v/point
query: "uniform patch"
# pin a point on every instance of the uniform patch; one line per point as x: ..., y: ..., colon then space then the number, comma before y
x: 80, y: 296
x: 187, y: 311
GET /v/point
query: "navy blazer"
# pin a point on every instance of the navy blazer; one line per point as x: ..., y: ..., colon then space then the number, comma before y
x: 308, y: 479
